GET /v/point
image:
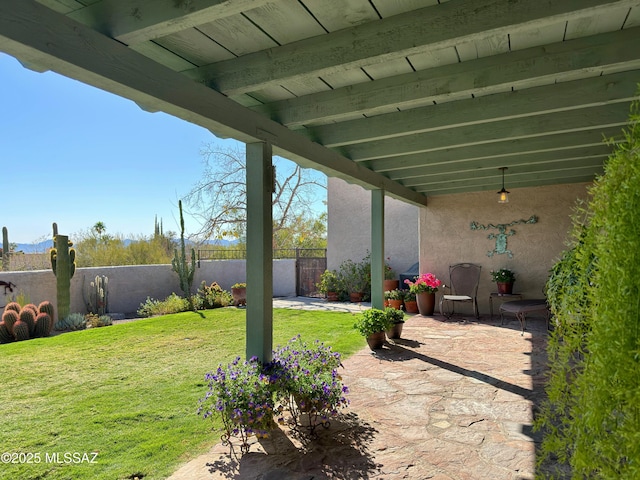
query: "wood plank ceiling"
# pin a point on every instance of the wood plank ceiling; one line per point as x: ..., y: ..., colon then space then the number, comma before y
x: 420, y: 97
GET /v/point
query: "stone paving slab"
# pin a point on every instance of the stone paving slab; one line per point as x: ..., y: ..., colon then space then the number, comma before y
x: 451, y: 400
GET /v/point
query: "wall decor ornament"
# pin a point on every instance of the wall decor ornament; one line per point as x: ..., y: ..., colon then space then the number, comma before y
x: 502, y: 235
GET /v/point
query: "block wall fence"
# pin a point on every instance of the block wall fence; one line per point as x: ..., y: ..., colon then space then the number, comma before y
x: 129, y: 286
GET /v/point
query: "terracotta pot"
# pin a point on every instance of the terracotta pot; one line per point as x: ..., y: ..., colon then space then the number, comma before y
x: 411, y: 307
x: 426, y: 303
x: 390, y: 285
x: 239, y: 296
x: 356, y: 297
x: 397, y: 304
x: 395, y: 331
x: 505, y: 287
x: 376, y: 340
x: 333, y: 296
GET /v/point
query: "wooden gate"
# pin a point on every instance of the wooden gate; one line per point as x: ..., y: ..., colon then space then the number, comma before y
x: 310, y: 264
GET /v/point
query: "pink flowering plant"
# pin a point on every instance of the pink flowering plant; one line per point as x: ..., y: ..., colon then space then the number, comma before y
x: 309, y: 382
x: 426, y: 282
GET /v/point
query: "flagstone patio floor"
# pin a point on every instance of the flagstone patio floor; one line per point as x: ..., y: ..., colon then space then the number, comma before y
x: 452, y: 399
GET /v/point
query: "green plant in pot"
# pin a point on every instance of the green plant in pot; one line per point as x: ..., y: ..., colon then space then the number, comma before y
x: 396, y: 321
x: 504, y: 279
x: 355, y: 279
x: 391, y: 281
x: 410, y: 302
x: 372, y: 324
x: 394, y: 298
x: 330, y: 285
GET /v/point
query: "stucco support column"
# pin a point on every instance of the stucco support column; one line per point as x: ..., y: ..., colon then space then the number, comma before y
x: 377, y: 248
x: 260, y: 180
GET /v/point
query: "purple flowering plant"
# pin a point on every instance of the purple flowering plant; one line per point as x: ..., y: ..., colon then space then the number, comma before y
x: 426, y: 282
x: 300, y: 379
x: 243, y: 396
x: 309, y: 380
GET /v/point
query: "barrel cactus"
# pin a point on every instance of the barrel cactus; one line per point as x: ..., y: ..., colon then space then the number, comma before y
x: 15, y: 306
x: 31, y: 307
x: 21, y: 331
x: 43, y: 325
x: 10, y: 317
x: 47, y: 307
x: 5, y: 335
x: 28, y: 316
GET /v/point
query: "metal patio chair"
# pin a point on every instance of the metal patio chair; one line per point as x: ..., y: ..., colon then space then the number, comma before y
x: 463, y: 284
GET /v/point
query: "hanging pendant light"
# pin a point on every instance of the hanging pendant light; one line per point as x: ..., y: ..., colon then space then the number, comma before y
x: 504, y: 195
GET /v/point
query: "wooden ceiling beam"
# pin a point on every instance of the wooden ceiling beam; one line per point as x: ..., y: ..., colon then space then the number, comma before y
x: 600, y: 117
x: 137, y: 21
x: 413, y: 176
x: 588, y: 92
x: 531, y: 181
x: 518, y: 69
x: 430, y: 28
x: 412, y: 164
x: 492, y: 172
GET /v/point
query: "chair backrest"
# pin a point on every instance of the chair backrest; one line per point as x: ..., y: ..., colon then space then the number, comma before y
x: 465, y: 278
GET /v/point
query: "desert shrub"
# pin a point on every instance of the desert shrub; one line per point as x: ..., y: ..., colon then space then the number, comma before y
x: 211, y: 296
x: 106, y: 250
x: 172, y: 304
x: 94, y: 320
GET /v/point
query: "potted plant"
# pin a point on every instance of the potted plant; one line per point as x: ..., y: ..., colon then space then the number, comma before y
x: 239, y: 293
x: 504, y: 278
x: 396, y: 320
x: 372, y: 324
x: 243, y: 396
x: 394, y: 298
x: 330, y: 285
x: 309, y: 385
x: 410, y: 303
x: 355, y: 280
x: 425, y: 286
x: 390, y: 281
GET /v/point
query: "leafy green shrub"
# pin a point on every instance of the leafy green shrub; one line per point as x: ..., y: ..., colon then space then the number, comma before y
x: 371, y: 321
x: 172, y: 304
x: 394, y: 315
x: 591, y: 418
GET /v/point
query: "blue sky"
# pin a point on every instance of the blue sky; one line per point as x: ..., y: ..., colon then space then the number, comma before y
x: 75, y: 155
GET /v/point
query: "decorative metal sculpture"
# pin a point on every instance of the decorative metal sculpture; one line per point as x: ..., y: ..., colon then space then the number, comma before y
x: 502, y: 235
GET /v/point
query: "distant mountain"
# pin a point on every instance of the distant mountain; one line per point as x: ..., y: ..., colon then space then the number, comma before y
x: 42, y: 247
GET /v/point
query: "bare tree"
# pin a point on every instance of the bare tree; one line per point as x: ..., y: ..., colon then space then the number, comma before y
x: 219, y: 200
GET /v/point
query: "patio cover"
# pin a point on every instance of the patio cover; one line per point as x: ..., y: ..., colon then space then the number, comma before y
x: 408, y: 98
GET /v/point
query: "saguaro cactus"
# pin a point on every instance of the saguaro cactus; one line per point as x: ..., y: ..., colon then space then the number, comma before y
x: 63, y: 264
x: 179, y: 263
x: 5, y: 249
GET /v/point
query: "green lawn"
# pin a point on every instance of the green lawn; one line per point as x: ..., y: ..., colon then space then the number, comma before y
x: 130, y: 391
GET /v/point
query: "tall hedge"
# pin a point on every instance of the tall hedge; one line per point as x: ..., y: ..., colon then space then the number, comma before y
x: 591, y: 418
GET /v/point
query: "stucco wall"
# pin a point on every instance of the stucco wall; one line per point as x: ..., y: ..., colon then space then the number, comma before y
x: 129, y: 286
x: 446, y: 236
x: 349, y: 227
